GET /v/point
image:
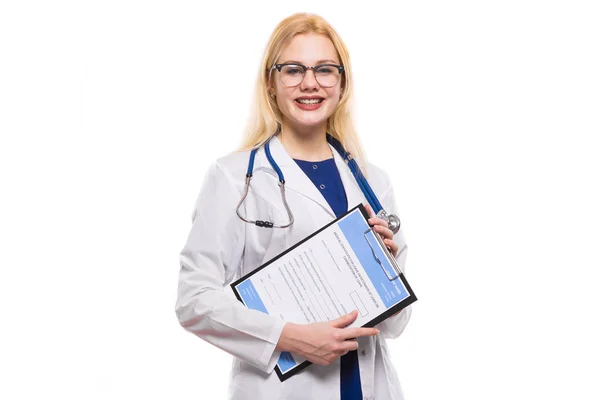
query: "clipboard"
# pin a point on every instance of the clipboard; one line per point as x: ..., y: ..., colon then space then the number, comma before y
x: 378, y: 279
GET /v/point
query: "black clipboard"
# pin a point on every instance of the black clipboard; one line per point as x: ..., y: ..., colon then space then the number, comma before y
x: 378, y: 243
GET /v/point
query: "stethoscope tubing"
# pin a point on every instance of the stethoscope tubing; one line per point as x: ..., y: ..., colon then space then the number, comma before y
x: 354, y: 168
x: 358, y: 175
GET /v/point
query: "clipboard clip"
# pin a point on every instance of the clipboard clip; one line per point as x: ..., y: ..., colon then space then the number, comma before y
x: 390, y: 257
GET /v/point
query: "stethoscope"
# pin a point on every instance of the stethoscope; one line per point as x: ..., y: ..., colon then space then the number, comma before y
x: 392, y: 219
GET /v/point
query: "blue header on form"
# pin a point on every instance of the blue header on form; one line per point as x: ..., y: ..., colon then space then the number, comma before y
x: 391, y: 292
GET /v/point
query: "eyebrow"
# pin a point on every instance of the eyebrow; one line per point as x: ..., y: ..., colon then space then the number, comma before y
x: 328, y: 61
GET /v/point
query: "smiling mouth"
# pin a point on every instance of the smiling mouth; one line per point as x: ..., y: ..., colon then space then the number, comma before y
x: 309, y: 101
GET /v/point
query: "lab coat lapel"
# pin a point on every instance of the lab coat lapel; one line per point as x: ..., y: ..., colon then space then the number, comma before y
x: 295, y: 179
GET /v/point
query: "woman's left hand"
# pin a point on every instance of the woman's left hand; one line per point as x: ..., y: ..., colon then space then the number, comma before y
x: 380, y: 226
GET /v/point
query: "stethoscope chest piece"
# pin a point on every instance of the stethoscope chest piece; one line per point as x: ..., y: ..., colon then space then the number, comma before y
x: 392, y: 219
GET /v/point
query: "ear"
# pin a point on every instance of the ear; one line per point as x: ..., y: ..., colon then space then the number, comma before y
x: 271, y: 91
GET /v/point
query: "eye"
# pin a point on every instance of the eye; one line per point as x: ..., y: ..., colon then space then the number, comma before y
x: 326, y: 70
x: 292, y: 70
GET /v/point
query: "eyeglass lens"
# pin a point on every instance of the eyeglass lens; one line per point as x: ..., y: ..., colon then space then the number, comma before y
x: 326, y: 76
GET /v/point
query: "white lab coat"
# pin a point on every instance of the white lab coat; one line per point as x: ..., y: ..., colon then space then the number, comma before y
x: 221, y: 248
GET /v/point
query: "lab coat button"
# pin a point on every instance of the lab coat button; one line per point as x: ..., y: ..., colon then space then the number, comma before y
x: 363, y: 353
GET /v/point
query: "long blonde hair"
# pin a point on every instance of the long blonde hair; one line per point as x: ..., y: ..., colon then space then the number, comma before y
x: 266, y: 118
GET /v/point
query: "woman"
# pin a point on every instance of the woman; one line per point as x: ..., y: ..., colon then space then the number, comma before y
x: 303, y: 93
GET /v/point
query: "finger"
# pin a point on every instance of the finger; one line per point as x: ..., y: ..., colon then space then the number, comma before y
x: 344, y: 320
x: 384, y: 231
x: 391, y: 245
x: 320, y: 360
x: 370, y: 212
x: 378, y: 221
x: 351, y: 333
x: 349, y: 345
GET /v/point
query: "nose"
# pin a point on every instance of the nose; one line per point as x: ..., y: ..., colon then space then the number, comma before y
x: 309, y: 82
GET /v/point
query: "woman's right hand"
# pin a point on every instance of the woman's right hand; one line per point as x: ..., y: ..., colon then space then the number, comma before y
x: 323, y: 342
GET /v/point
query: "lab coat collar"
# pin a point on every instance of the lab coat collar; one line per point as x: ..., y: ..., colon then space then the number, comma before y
x: 296, y: 179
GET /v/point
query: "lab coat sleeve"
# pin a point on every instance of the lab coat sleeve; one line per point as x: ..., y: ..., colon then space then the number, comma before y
x: 393, y: 326
x: 213, y: 253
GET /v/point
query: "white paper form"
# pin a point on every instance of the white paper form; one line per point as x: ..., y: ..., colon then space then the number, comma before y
x: 340, y: 268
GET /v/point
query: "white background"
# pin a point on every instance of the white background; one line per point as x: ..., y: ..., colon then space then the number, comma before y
x: 485, y: 114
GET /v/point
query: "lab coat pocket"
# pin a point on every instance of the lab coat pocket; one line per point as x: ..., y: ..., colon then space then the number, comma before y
x: 239, y: 385
x: 236, y: 366
x: 241, y: 368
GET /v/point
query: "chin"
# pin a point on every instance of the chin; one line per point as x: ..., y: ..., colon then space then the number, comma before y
x: 308, y: 124
x: 310, y: 121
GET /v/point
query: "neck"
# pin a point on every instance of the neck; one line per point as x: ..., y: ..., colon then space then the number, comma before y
x: 305, y: 144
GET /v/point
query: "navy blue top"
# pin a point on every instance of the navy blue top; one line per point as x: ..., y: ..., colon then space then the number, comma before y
x: 326, y: 177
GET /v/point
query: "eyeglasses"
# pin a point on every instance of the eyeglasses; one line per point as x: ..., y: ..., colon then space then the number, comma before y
x: 327, y: 75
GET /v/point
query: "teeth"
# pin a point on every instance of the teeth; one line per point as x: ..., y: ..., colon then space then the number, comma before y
x: 307, y: 101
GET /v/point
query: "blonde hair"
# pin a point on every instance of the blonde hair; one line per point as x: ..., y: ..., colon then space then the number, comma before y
x: 266, y: 118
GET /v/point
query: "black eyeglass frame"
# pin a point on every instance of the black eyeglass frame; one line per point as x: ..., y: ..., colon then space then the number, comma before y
x: 340, y: 69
